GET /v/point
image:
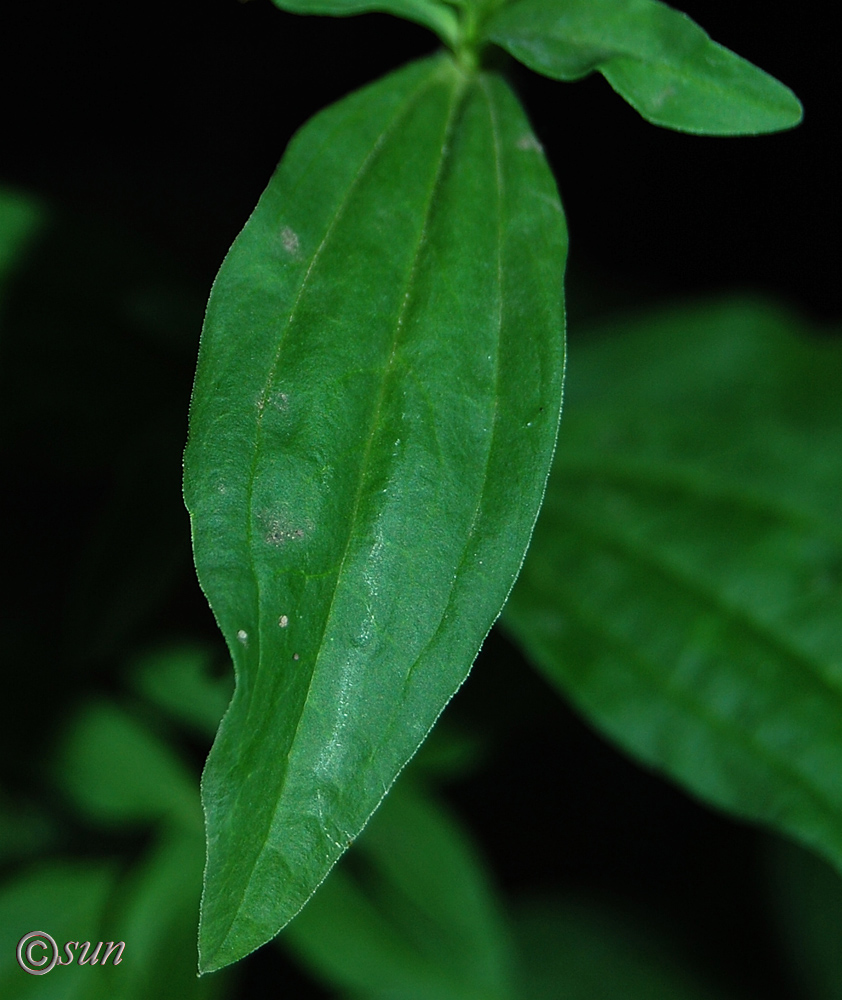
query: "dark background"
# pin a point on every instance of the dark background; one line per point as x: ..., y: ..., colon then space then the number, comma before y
x: 153, y: 128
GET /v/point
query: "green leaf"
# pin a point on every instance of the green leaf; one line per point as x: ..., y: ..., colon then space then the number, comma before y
x: 373, y: 419
x: 153, y: 912
x: 578, y: 950
x: 67, y: 901
x: 117, y: 771
x: 156, y: 913
x: 684, y: 587
x: 438, y: 17
x: 25, y: 830
x: 178, y: 679
x: 413, y: 917
x: 655, y: 57
x: 21, y: 218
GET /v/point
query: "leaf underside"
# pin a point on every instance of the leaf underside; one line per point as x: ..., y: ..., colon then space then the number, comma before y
x: 684, y: 586
x: 373, y: 419
x: 655, y: 57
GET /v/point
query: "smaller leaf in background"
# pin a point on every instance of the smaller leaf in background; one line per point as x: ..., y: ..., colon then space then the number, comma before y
x: 24, y: 829
x: 66, y: 900
x: 156, y: 912
x: 153, y: 911
x: 447, y: 754
x: 655, y: 57
x: 409, y: 913
x: 21, y: 218
x: 684, y: 585
x: 578, y: 950
x: 807, y: 901
x: 438, y: 17
x: 117, y: 771
x: 178, y: 679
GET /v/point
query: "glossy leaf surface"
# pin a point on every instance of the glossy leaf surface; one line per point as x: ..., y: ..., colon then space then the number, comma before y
x: 373, y: 419
x: 438, y: 17
x: 684, y: 587
x: 411, y: 915
x: 655, y: 57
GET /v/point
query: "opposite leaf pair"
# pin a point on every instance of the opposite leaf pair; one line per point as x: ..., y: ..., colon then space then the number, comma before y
x: 374, y: 416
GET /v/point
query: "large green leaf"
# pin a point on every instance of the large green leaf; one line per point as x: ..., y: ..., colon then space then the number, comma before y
x: 374, y: 414
x: 684, y: 586
x: 655, y: 57
x: 414, y: 917
x: 433, y: 14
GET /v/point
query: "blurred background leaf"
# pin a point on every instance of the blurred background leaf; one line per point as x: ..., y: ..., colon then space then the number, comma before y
x: 21, y: 218
x: 180, y: 681
x: 572, y: 949
x: 410, y: 914
x: 67, y: 899
x: 116, y: 771
x: 806, y: 897
x: 684, y: 586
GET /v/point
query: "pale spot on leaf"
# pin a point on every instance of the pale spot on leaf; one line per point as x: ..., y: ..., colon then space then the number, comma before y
x: 289, y: 240
x: 527, y: 142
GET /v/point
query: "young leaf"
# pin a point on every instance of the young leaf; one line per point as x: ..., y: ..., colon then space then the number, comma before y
x: 373, y: 419
x: 419, y: 919
x: 684, y: 587
x: 433, y: 14
x: 655, y: 57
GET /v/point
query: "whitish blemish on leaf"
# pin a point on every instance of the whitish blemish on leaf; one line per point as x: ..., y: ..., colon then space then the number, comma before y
x: 283, y: 621
x: 289, y: 240
x: 243, y: 636
x: 280, y: 401
x: 527, y: 142
x: 278, y: 533
x: 295, y: 656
